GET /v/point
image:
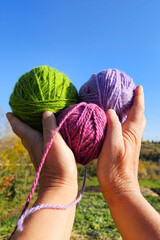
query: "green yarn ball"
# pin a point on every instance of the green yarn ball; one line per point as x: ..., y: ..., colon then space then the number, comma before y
x: 43, y: 88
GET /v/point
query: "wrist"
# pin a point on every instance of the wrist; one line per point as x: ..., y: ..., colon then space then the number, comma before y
x: 124, y: 191
x: 57, y: 195
x: 57, y: 190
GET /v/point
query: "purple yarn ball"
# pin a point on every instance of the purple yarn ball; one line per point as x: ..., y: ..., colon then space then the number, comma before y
x: 84, y: 130
x: 109, y: 89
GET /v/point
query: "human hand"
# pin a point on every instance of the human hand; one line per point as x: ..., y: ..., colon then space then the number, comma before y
x: 118, y: 161
x: 59, y: 172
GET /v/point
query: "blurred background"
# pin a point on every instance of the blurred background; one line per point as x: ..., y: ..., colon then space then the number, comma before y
x: 80, y: 38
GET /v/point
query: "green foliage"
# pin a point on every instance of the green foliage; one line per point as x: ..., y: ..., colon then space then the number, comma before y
x: 13, y: 197
x: 154, y: 201
x: 149, y: 183
x: 93, y: 217
x: 91, y: 169
x: 92, y: 181
x: 150, y: 151
x: 8, y: 187
x: 149, y: 167
x: 7, y: 226
x: 149, y: 170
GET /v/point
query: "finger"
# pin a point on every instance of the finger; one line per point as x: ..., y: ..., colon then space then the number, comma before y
x: 139, y: 97
x: 136, y: 119
x: 59, y: 147
x: 137, y: 109
x: 19, y: 128
x: 49, y: 127
x: 114, y: 139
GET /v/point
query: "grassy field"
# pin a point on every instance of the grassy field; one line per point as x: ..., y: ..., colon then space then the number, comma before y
x: 93, y: 219
x: 149, y: 183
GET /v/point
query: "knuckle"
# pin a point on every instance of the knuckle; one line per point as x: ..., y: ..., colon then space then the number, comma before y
x: 131, y: 135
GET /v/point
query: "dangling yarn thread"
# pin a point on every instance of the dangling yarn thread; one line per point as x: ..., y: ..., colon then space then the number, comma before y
x: 109, y: 89
x: 88, y: 117
x: 83, y: 125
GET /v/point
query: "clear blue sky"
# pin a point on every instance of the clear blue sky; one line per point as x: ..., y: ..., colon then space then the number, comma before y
x: 81, y: 37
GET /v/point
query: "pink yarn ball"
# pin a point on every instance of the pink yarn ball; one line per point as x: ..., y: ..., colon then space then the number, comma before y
x: 84, y: 130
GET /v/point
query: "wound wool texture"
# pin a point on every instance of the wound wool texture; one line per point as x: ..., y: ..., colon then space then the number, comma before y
x: 43, y: 88
x: 109, y: 89
x: 84, y: 130
x: 83, y: 125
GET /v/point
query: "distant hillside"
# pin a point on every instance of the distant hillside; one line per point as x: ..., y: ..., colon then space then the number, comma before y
x: 12, y: 154
x: 150, y: 151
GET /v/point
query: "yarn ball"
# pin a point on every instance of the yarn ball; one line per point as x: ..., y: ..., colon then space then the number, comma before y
x: 109, y: 89
x: 43, y: 88
x: 83, y: 130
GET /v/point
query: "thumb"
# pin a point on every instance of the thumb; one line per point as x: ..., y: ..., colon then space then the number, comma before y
x: 49, y: 127
x: 114, y: 138
x: 22, y: 130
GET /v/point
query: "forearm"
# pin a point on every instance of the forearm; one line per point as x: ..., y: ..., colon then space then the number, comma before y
x: 135, y: 217
x: 49, y: 224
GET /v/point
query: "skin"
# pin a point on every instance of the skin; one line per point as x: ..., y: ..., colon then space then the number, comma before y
x: 117, y: 172
x: 57, y: 183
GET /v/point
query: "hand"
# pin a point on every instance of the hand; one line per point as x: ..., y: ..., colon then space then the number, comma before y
x: 119, y: 158
x: 59, y: 172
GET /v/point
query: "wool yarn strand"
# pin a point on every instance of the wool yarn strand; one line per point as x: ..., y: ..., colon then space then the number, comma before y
x: 43, y: 206
x: 82, y: 125
x: 41, y: 165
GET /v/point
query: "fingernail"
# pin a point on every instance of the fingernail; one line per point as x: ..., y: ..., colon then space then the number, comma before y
x: 139, y: 89
x: 110, y: 112
x: 8, y: 115
x: 47, y: 114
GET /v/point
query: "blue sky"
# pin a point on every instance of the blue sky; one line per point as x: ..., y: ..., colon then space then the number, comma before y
x: 80, y: 38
